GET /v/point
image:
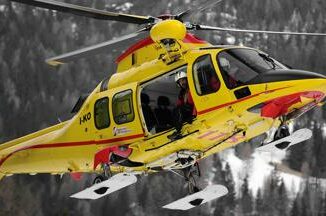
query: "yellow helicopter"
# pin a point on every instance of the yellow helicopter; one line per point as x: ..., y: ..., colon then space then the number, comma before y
x: 232, y: 94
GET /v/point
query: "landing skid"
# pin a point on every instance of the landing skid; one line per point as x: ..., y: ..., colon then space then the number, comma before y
x: 209, y: 193
x: 284, y: 143
x: 106, y: 187
x: 103, y: 187
x: 196, y: 196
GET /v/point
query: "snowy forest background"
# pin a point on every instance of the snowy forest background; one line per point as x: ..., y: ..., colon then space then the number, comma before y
x: 34, y: 95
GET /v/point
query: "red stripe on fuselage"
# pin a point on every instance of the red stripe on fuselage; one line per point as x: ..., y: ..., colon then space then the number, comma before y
x: 71, y: 144
x: 145, y: 42
x: 237, y: 101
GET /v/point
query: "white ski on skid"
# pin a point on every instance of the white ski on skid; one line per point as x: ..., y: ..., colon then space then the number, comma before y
x: 209, y: 193
x: 284, y: 143
x: 106, y: 187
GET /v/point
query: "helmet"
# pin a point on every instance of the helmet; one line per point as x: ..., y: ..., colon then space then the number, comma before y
x: 180, y: 75
x: 225, y: 64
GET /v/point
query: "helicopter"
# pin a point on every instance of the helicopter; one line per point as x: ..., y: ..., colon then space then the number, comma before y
x: 238, y: 92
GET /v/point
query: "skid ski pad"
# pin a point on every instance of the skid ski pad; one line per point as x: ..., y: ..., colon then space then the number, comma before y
x: 106, y: 187
x: 284, y: 143
x: 209, y: 193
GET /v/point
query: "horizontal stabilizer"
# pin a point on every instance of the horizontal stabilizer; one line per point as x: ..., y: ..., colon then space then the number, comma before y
x: 209, y: 193
x: 104, y: 188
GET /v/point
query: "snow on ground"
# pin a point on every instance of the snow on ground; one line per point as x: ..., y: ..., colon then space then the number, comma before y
x: 258, y: 168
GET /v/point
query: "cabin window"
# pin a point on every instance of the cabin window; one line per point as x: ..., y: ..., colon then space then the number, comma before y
x: 122, y: 107
x: 101, y: 113
x: 205, y: 77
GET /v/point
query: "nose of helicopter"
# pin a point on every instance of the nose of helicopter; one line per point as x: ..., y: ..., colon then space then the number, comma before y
x: 285, y: 75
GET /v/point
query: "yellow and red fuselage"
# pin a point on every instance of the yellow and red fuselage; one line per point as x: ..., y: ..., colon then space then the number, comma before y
x: 222, y: 121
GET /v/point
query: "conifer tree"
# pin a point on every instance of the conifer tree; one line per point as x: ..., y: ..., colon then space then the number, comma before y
x: 246, y: 199
x: 295, y: 210
x: 259, y: 204
x: 282, y: 202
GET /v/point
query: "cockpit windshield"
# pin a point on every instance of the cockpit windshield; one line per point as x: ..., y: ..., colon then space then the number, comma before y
x: 240, y: 65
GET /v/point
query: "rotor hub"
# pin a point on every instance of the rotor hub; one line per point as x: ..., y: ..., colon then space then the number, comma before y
x: 168, y: 29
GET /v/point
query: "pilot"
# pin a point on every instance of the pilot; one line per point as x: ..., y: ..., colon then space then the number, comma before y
x: 185, y: 110
x: 225, y: 64
x: 230, y: 72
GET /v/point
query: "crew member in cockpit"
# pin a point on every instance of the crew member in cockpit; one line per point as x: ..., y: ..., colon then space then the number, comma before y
x: 230, y: 72
x: 185, y: 110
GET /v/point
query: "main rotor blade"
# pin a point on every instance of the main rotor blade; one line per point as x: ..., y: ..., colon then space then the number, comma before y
x: 88, y: 12
x: 96, y: 49
x: 188, y: 13
x: 211, y: 28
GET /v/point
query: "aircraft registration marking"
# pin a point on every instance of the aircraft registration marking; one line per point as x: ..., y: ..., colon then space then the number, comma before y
x: 85, y: 118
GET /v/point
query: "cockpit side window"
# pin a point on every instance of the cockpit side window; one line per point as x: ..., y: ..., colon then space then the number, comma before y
x: 205, y: 77
x: 238, y: 66
x: 235, y: 73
